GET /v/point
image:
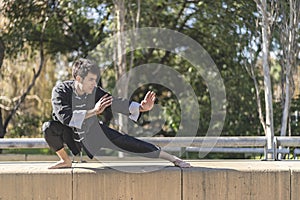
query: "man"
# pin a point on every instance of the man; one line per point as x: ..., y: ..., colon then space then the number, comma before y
x: 76, y: 104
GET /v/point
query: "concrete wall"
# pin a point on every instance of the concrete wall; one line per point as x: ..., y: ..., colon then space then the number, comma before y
x: 295, y: 184
x: 16, y: 184
x: 242, y: 180
x: 112, y: 184
x: 236, y: 184
x: 207, y: 180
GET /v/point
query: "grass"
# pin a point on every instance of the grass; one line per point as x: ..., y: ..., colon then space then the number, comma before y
x: 28, y: 151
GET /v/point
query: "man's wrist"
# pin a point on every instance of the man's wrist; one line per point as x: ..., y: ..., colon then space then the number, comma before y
x: 91, y: 113
x: 141, y: 108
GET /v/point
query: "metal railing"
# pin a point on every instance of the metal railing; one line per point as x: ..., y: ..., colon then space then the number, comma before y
x: 241, y: 144
x: 204, y: 142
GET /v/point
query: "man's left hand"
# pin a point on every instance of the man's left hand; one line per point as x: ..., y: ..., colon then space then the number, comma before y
x: 148, y: 102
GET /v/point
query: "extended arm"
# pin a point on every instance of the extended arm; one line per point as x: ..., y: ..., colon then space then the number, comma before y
x: 119, y: 105
x: 148, y: 102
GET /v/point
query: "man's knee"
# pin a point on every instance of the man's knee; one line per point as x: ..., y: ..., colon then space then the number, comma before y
x: 45, y: 126
x: 51, y: 135
x: 49, y: 128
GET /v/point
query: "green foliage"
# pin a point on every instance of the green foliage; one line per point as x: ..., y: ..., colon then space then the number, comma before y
x: 25, y: 126
x: 70, y: 26
x: 224, y: 28
x: 218, y: 26
x: 295, y: 116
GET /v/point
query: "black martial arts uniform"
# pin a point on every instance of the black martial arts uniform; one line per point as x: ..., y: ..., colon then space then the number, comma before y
x: 70, y: 126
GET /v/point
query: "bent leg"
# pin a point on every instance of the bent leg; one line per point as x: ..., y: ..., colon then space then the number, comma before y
x: 54, y: 136
x: 64, y: 162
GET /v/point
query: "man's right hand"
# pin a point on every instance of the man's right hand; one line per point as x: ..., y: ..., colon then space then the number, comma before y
x: 102, y: 104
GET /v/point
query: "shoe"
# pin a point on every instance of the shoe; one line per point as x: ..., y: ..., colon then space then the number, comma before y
x: 181, y: 164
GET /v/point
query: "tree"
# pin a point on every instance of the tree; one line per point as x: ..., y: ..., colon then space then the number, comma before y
x: 288, y: 28
x: 219, y: 27
x: 267, y: 20
x: 222, y: 27
x: 69, y: 30
x: 36, y: 74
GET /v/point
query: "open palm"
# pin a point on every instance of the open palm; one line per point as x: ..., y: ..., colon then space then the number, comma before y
x: 148, y: 102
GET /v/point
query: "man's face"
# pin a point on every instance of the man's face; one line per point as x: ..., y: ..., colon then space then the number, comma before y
x: 88, y: 84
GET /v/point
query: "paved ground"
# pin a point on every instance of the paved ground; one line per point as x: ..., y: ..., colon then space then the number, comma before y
x: 144, y: 165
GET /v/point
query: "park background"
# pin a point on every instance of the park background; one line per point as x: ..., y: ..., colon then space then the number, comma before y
x: 254, y: 44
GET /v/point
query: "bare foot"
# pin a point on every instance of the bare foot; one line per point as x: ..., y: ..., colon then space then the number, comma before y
x: 182, y: 164
x: 61, y: 164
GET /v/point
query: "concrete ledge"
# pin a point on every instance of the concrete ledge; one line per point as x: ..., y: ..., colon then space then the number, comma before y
x: 34, y: 181
x: 114, y: 184
x: 152, y: 179
x: 261, y: 180
x: 295, y: 184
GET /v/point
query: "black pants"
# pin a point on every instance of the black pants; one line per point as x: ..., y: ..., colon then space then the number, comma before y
x: 56, y: 134
x: 101, y: 136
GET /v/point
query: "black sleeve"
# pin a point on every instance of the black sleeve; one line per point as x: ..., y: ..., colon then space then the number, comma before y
x: 119, y: 105
x: 62, y: 104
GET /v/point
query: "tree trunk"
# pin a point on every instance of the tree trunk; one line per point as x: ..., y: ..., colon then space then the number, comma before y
x: 265, y: 30
x: 288, y: 39
x: 2, y: 53
x: 2, y: 131
x: 289, y: 29
x: 286, y: 108
x: 250, y: 68
x: 31, y: 85
x: 120, y: 50
x: 120, y: 58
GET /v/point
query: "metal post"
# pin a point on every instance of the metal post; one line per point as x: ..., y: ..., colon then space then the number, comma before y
x: 270, y: 145
x: 275, y: 149
x: 265, y: 152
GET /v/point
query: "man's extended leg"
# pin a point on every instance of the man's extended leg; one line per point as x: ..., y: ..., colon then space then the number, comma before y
x: 124, y: 142
x: 133, y: 145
